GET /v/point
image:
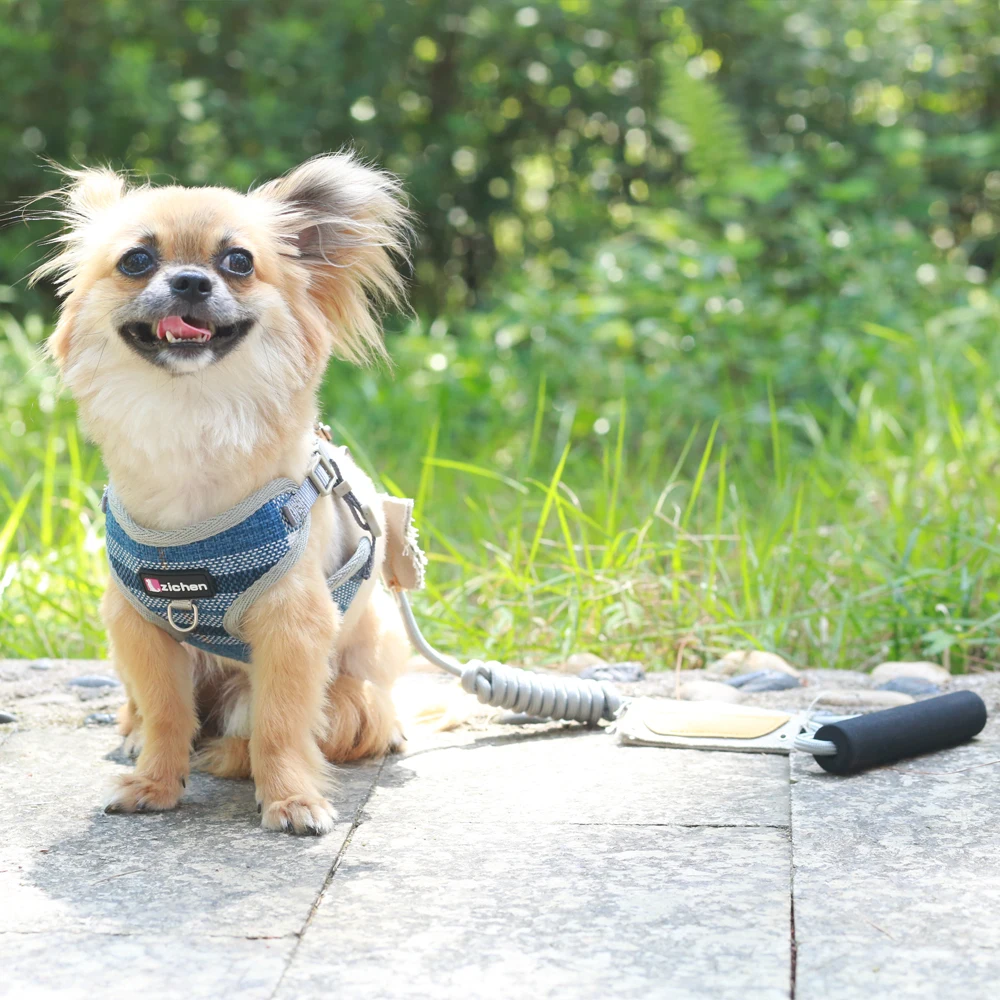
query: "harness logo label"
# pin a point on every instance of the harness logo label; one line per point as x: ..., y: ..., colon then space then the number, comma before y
x: 184, y: 584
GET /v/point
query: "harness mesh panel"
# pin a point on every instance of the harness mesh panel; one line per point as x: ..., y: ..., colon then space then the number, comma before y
x: 236, y: 557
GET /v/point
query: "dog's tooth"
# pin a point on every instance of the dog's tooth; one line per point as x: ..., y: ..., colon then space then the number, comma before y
x: 170, y: 337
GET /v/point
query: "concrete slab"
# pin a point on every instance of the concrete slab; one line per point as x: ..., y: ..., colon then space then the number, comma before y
x: 205, y: 868
x: 849, y: 967
x: 67, y: 966
x: 517, y: 909
x: 497, y: 862
x: 894, y: 871
x: 581, y: 776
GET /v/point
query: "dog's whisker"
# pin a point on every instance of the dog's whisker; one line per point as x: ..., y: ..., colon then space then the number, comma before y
x: 100, y: 358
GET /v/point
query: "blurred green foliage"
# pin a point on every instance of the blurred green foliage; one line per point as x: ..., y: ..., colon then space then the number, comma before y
x: 527, y: 128
x: 779, y: 214
x: 690, y: 196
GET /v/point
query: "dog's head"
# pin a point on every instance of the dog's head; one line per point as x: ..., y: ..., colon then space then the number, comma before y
x: 229, y: 286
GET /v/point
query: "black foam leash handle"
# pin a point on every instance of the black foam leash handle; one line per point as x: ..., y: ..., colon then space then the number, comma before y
x: 883, y: 737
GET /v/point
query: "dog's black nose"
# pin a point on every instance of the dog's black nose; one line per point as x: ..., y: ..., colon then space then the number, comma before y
x: 195, y: 286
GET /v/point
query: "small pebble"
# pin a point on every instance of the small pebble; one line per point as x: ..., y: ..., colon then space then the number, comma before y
x: 920, y: 669
x: 910, y: 685
x: 582, y: 661
x: 764, y: 680
x: 42, y: 665
x: 709, y: 691
x: 741, y: 661
x: 99, y: 719
x: 741, y: 679
x: 94, y: 681
x: 617, y: 673
x: 6, y: 717
x: 94, y: 694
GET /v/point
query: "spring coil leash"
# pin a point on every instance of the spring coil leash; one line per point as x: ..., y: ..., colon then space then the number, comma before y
x: 572, y: 699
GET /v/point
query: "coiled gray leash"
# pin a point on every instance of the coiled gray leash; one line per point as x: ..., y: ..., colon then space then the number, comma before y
x: 571, y: 698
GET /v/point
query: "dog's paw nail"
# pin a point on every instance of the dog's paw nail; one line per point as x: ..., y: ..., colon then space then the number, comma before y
x: 259, y: 808
x: 301, y: 814
x: 184, y: 782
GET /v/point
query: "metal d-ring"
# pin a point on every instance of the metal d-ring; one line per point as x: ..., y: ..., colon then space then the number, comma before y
x: 183, y: 606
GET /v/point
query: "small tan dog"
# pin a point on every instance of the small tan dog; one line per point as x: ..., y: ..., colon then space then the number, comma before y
x: 195, y: 330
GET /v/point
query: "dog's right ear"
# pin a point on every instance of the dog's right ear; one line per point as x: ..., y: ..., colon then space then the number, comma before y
x: 84, y: 198
x: 89, y: 192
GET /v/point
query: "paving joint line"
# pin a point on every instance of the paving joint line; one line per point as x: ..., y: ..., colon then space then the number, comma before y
x: 356, y: 822
x: 793, y: 947
x: 543, y: 824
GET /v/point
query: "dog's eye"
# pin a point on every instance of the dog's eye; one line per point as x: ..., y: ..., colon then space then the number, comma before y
x: 136, y: 262
x: 238, y: 262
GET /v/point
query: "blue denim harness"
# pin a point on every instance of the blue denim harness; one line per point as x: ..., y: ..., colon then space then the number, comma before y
x: 197, y: 583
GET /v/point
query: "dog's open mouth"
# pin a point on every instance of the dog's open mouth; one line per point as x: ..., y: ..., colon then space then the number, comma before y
x: 184, y: 329
x: 183, y: 337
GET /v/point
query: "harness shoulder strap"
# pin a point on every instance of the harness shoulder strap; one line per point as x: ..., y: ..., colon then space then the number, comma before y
x: 324, y: 478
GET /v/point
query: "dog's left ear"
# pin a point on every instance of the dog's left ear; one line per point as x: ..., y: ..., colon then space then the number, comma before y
x: 348, y: 224
x: 85, y: 197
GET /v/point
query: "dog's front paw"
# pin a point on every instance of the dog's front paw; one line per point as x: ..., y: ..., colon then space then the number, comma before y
x: 135, y: 793
x: 301, y: 814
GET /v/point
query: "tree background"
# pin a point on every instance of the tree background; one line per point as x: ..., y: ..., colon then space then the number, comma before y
x: 648, y: 231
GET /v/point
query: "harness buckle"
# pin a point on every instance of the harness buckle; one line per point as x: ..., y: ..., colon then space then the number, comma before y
x: 320, y: 461
x: 183, y: 606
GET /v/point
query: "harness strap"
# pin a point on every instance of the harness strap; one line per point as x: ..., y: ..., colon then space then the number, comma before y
x: 323, y: 479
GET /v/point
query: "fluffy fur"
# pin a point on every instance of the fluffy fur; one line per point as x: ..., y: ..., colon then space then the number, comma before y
x: 188, y: 432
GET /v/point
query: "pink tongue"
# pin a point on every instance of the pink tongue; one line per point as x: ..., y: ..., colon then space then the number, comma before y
x: 177, y: 326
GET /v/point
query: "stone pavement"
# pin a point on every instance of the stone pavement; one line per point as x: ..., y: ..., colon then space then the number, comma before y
x: 497, y: 861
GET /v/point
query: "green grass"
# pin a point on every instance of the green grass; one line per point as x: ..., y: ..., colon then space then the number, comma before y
x: 870, y: 534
